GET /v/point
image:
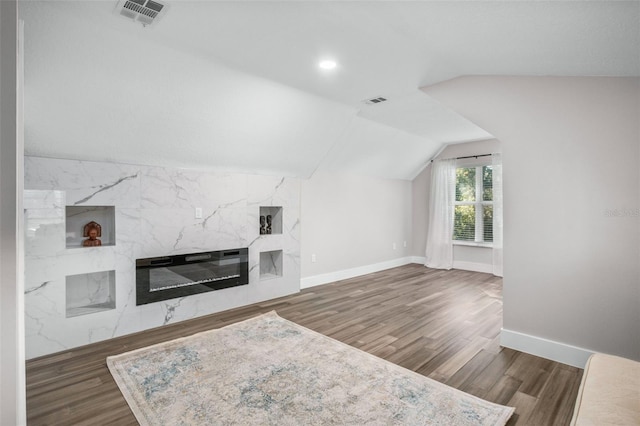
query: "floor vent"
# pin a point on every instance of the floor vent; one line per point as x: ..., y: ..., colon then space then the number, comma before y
x: 374, y: 101
x: 146, y: 12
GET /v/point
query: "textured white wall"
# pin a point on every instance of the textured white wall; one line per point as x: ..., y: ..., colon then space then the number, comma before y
x: 350, y: 221
x: 572, y: 193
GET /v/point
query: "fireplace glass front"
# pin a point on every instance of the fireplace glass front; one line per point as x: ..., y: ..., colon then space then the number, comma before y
x: 169, y: 277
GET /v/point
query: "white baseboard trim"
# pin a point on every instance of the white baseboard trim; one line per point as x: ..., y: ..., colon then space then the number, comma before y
x: 465, y: 266
x: 353, y: 272
x: 555, y: 351
x: 472, y: 266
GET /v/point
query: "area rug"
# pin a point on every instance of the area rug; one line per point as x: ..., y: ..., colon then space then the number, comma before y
x: 270, y: 371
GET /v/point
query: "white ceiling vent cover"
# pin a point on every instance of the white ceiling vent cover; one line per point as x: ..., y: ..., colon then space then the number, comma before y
x: 374, y: 101
x: 146, y: 12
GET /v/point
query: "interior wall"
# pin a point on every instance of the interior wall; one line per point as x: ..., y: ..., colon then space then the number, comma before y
x: 12, y: 387
x: 350, y: 221
x: 572, y: 195
x: 465, y: 257
x: 420, y: 187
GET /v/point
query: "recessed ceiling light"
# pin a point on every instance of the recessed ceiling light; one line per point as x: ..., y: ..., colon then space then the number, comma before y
x: 327, y: 64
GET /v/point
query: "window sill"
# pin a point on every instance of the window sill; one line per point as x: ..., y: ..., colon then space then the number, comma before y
x: 472, y: 244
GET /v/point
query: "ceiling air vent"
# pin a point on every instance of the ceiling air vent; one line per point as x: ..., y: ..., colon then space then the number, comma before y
x: 374, y: 101
x: 146, y: 12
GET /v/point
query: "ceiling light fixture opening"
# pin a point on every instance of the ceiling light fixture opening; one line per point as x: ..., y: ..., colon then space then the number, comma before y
x: 327, y: 64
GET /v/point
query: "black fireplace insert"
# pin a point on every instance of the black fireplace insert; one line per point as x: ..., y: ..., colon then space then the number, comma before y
x: 169, y: 277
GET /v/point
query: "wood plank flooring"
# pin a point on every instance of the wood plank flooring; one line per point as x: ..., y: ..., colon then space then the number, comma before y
x: 442, y: 324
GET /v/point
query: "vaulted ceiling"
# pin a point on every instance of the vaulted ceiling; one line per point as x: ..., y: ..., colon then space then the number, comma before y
x: 235, y: 84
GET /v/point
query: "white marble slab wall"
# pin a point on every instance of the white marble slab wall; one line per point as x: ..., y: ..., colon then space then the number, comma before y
x: 154, y: 210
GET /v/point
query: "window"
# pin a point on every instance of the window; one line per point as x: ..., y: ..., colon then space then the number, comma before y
x: 473, y: 210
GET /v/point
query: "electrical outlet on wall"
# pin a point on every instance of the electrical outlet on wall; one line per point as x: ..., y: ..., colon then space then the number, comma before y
x: 313, y: 258
x: 198, y: 212
x: 394, y: 246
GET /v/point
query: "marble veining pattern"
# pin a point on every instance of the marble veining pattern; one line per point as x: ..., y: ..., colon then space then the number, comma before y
x: 104, y: 188
x: 154, y: 216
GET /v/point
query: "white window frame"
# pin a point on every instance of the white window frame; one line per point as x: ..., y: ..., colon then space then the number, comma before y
x: 479, y: 208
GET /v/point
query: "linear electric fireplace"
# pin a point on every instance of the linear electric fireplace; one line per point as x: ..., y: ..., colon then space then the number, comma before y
x: 169, y: 277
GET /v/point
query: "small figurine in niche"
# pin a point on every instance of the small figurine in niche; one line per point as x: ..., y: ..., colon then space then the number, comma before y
x: 92, y: 230
x: 268, y: 224
x: 263, y: 225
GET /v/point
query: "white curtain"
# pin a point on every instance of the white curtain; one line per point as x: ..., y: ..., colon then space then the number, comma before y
x: 441, y: 203
x: 497, y: 213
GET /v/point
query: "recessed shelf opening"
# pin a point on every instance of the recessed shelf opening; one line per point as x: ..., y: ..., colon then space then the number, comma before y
x: 90, y: 293
x: 270, y: 264
x: 270, y: 220
x: 78, y: 219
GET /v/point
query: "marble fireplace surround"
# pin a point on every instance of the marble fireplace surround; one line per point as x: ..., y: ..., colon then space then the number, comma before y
x: 77, y: 295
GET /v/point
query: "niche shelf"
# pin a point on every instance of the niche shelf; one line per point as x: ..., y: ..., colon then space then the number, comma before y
x: 76, y: 217
x: 270, y: 264
x: 276, y: 218
x: 90, y: 293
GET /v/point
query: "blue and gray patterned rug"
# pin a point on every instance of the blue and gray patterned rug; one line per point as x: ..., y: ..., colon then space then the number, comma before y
x: 270, y: 371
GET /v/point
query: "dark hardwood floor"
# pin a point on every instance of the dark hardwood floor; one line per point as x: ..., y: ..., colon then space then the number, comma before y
x: 442, y: 324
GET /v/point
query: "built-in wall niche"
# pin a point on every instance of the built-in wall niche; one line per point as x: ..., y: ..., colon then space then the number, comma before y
x: 80, y: 217
x: 270, y: 264
x: 90, y: 293
x: 270, y: 220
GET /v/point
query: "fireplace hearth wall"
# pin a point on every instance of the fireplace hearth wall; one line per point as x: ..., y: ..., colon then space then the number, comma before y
x: 153, y: 216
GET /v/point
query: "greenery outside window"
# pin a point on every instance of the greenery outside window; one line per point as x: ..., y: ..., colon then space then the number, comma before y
x: 473, y: 209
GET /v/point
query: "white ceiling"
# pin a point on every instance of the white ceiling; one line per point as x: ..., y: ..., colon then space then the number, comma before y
x: 235, y: 84
x: 394, y: 47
